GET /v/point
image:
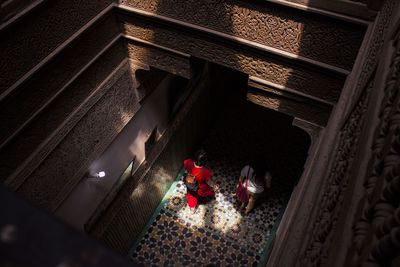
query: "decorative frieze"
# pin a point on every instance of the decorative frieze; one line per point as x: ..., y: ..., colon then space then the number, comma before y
x: 375, y: 45
x: 322, y: 85
x: 313, y: 36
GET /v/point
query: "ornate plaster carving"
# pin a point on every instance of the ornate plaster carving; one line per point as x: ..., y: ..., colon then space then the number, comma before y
x: 292, y: 105
x: 51, y: 79
x: 375, y: 45
x: 51, y: 182
x: 330, y: 204
x: 37, y: 140
x: 33, y: 42
x: 160, y: 59
x: 276, y: 71
x: 316, y: 37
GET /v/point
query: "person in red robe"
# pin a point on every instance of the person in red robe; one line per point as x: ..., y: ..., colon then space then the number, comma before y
x: 196, y: 167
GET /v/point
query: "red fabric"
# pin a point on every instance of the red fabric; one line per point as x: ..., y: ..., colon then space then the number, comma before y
x: 241, y: 192
x: 205, y: 190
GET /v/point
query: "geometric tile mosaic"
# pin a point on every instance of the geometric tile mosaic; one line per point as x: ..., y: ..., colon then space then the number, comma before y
x: 218, y: 234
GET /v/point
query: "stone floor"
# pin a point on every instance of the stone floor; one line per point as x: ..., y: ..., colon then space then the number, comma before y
x: 219, y: 234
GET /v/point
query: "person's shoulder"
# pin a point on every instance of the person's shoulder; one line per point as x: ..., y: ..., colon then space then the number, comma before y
x: 188, y: 163
x: 246, y: 167
x: 207, y: 171
x: 188, y: 160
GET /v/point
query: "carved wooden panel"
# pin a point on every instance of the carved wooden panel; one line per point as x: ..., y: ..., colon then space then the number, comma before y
x: 294, y: 76
x: 313, y: 36
x: 51, y: 182
x: 330, y: 206
x: 376, y: 230
x: 375, y: 46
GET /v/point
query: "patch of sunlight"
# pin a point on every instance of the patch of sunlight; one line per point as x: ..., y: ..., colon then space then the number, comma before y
x: 125, y: 116
x: 162, y: 176
x: 139, y: 191
x: 226, y: 219
x: 197, y: 219
x: 268, y: 102
x: 160, y: 182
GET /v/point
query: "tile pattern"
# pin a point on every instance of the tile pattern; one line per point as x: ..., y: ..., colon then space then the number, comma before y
x: 218, y: 233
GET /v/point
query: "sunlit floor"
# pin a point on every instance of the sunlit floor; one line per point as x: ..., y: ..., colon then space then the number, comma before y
x: 219, y: 234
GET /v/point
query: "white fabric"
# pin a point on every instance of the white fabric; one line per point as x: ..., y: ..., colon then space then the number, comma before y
x: 251, y: 184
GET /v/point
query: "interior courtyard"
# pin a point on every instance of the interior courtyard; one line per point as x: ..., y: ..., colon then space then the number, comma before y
x: 102, y: 101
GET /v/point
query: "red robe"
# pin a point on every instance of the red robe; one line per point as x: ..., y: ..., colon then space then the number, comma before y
x: 204, y: 189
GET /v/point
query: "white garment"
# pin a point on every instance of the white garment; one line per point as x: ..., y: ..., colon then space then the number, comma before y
x: 251, y: 184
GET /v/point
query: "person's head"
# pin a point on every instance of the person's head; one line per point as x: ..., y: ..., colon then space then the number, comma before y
x: 200, y: 157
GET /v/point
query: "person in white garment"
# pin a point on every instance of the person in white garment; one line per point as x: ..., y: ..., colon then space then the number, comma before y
x: 259, y: 180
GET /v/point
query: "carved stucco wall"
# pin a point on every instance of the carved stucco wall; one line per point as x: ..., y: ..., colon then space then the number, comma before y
x: 59, y: 173
x: 330, y: 205
x: 41, y: 136
x: 289, y: 103
x: 129, y: 212
x: 63, y: 61
x: 52, y: 79
x: 173, y: 63
x: 295, y: 76
x: 315, y: 228
x: 51, y: 147
x: 315, y: 37
x: 52, y: 23
x: 317, y: 80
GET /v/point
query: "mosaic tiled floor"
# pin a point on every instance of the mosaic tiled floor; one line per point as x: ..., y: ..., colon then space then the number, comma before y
x: 218, y: 234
